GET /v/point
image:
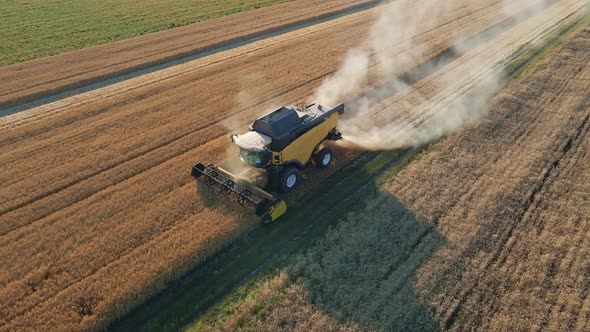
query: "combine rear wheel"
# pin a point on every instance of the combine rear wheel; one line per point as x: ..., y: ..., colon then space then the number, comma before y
x: 323, y: 158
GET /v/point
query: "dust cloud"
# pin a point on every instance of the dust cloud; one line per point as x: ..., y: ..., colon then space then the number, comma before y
x: 247, y: 97
x: 386, y: 53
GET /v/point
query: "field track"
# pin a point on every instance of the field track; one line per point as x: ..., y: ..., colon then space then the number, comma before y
x: 97, y: 193
x: 31, y: 80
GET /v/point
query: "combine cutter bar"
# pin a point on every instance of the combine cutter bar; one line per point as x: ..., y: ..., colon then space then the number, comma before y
x: 266, y: 205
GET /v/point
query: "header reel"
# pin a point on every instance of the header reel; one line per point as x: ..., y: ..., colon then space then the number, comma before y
x: 266, y: 205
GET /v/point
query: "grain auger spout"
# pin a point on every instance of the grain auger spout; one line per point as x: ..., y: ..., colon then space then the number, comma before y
x: 277, y: 148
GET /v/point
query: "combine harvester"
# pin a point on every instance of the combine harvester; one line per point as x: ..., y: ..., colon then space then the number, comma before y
x: 277, y: 148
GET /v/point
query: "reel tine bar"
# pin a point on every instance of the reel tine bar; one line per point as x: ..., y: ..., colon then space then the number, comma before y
x: 227, y: 187
x: 244, y: 197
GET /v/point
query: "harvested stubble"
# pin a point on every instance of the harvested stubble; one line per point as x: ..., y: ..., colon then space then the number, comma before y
x: 506, y: 215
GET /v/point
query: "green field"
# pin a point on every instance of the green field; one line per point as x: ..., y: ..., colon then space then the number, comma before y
x: 37, y: 28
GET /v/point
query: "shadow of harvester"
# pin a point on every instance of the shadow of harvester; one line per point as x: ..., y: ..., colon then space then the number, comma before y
x: 362, y: 270
x: 362, y: 258
x: 355, y: 248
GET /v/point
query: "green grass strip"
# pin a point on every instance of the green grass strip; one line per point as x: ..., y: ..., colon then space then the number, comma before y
x: 37, y: 28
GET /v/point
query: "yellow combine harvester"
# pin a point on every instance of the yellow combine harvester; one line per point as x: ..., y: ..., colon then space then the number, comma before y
x: 277, y: 148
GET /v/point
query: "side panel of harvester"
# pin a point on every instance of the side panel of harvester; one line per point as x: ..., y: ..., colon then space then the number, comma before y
x: 299, y: 152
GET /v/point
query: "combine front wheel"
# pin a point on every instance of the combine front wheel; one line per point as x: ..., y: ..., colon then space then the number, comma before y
x: 289, y: 179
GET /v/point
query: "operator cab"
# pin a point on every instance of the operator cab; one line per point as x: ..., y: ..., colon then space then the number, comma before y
x: 253, y: 148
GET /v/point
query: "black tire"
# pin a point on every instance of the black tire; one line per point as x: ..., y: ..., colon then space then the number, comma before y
x: 323, y: 158
x: 289, y: 179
